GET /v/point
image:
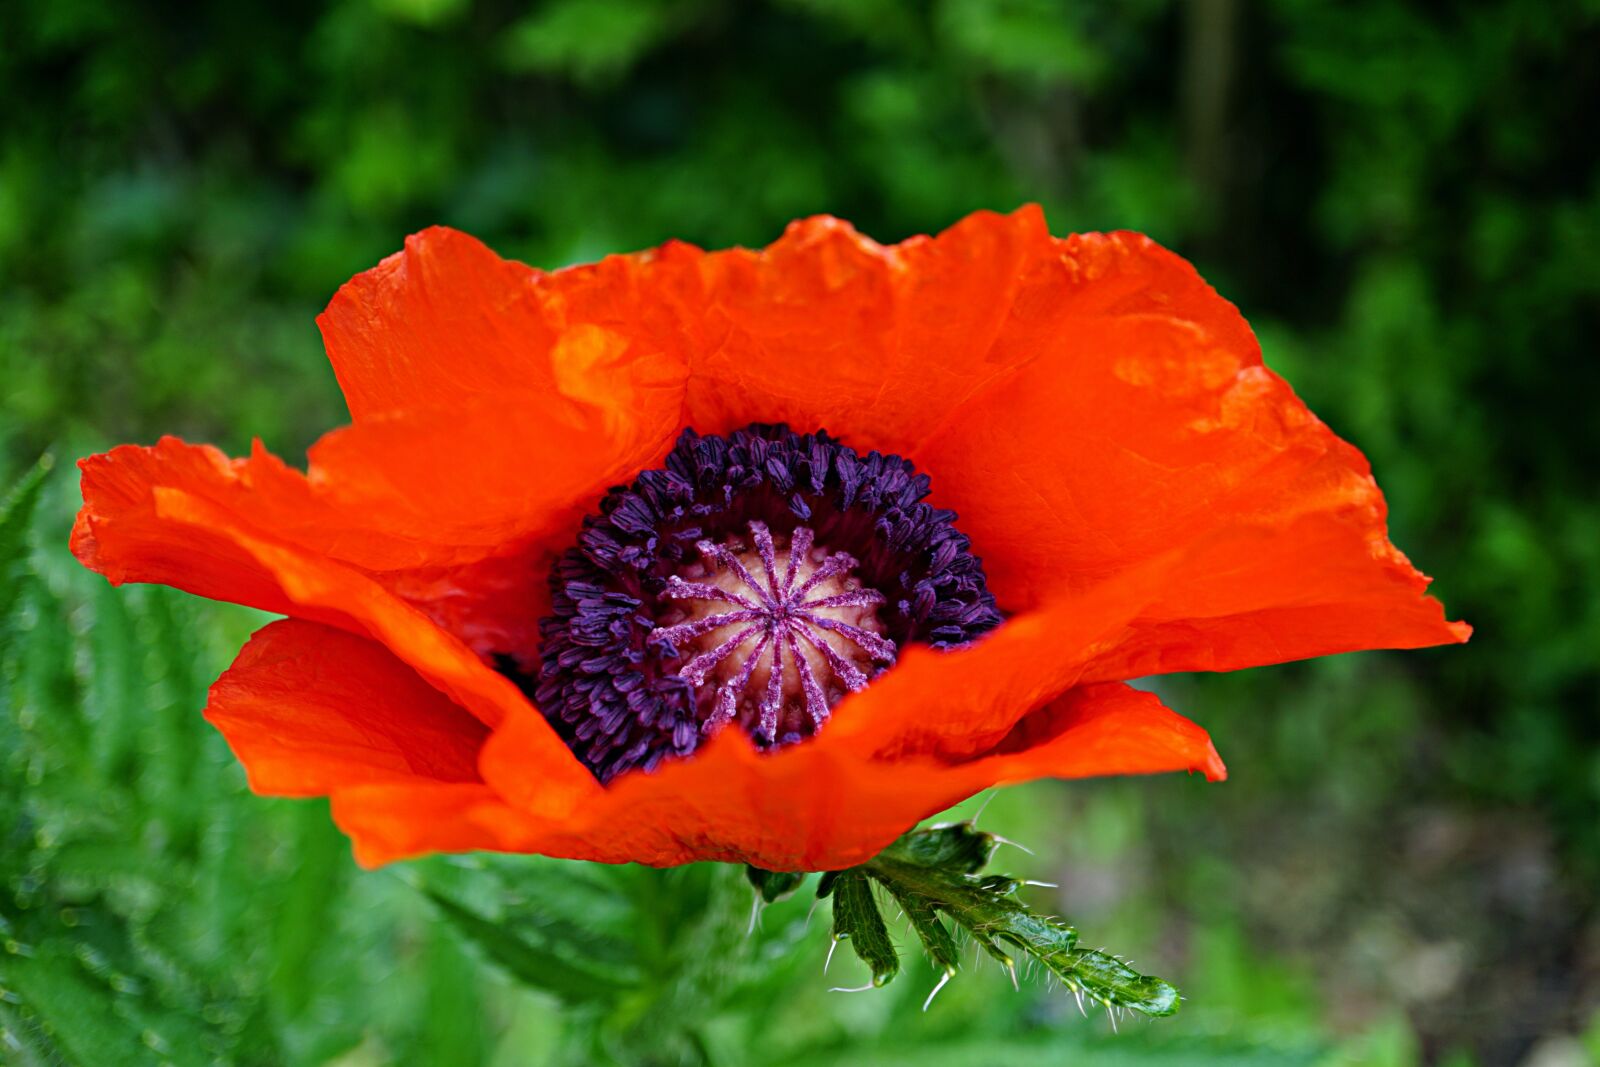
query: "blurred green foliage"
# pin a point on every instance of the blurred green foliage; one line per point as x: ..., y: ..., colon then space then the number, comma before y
x: 1404, y: 198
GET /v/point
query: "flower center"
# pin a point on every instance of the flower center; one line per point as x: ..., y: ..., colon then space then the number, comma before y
x: 778, y: 631
x: 754, y: 578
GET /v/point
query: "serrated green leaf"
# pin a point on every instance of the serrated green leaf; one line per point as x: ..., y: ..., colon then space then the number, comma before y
x: 453, y: 1027
x: 985, y: 908
x: 16, y: 516
x: 66, y: 1018
x: 116, y: 682
x: 16, y: 510
x: 856, y: 919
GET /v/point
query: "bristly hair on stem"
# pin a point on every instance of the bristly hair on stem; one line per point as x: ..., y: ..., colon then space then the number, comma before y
x: 934, y: 875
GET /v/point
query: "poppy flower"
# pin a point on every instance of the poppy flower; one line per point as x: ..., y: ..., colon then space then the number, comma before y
x: 759, y: 556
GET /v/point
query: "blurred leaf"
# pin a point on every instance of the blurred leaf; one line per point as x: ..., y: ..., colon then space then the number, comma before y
x: 423, y: 12
x: 590, y: 40
x: 1128, y: 1050
x: 1029, y: 38
x: 16, y: 515
x: 540, y: 966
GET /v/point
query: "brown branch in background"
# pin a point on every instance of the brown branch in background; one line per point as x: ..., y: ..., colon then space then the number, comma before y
x: 1208, y: 74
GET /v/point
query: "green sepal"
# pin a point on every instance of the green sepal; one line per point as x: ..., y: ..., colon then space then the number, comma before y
x: 934, y: 876
x: 957, y: 846
x: 1116, y: 985
x: 938, y: 944
x: 773, y: 886
x: 856, y: 919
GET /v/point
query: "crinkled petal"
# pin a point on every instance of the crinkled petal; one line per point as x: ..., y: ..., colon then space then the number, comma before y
x: 507, y: 467
x: 823, y: 328
x: 442, y: 323
x: 388, y: 822
x: 1138, y: 424
x: 487, y: 414
x: 822, y: 806
x: 462, y: 479
x: 315, y: 711
x: 826, y: 329
x: 460, y: 517
x: 310, y: 710
x: 160, y: 518
x: 1104, y: 729
x: 958, y: 703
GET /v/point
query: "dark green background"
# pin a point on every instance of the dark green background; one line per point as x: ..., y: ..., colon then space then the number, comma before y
x: 1403, y: 198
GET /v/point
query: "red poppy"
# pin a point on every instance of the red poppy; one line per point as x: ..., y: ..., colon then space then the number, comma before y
x: 1132, y: 491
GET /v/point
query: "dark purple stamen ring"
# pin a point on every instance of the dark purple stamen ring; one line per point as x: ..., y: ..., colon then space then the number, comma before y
x: 821, y: 562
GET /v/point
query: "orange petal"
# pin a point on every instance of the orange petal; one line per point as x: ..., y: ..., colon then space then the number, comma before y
x: 959, y: 703
x: 484, y: 437
x: 388, y: 822
x: 154, y: 516
x: 439, y: 324
x: 494, y: 406
x: 824, y: 328
x: 311, y: 710
x: 828, y: 329
x: 459, y: 513
x: 1097, y: 730
x: 821, y: 805
x: 314, y: 711
x: 509, y: 467
x: 1139, y: 425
